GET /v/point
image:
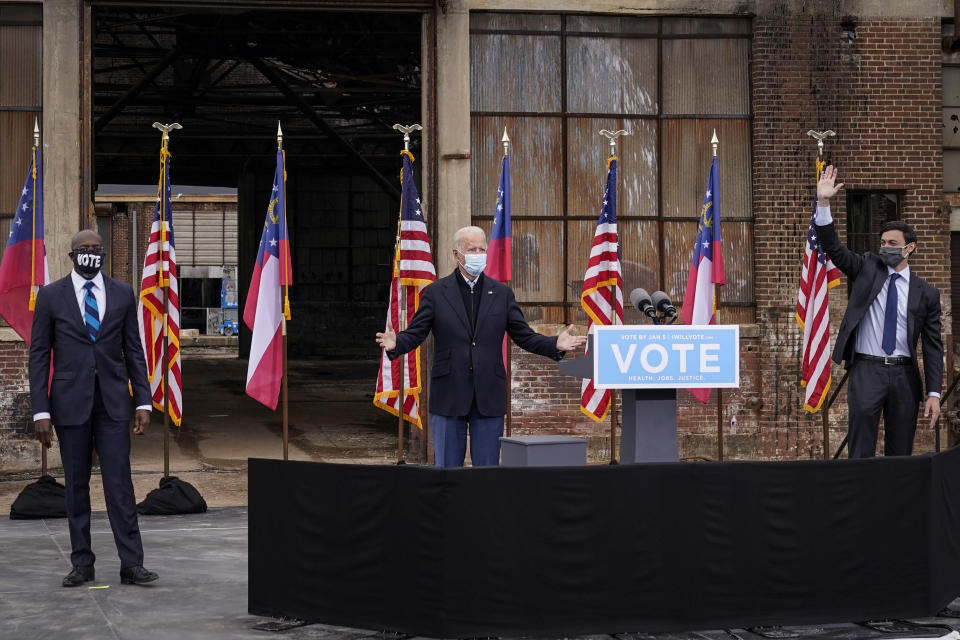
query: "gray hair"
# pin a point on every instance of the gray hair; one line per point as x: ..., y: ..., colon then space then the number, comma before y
x: 458, y: 236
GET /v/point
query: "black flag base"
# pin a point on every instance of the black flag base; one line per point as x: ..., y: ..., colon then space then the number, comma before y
x: 45, y: 498
x: 174, y: 496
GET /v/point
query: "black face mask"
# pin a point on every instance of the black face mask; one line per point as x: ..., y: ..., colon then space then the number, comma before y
x: 892, y: 256
x: 87, y: 263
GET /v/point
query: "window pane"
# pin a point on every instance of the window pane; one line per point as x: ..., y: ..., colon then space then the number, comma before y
x: 587, y: 161
x: 706, y: 76
x: 537, y: 265
x: 951, y: 86
x: 687, y: 154
x: 738, y: 261
x: 866, y: 214
x: 16, y: 140
x: 611, y: 24
x: 612, y: 75
x: 697, y: 26
x: 951, y: 127
x: 678, y: 239
x: 535, y: 164
x: 514, y: 73
x: 21, y: 49
x: 951, y: 170
x: 515, y: 21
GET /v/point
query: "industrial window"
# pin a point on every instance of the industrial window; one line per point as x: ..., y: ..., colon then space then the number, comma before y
x: 21, y: 48
x: 951, y: 128
x: 867, y: 212
x: 554, y: 81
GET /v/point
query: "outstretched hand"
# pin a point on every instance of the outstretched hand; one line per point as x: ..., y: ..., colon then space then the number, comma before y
x: 387, y: 338
x: 566, y: 341
x: 827, y: 187
x: 932, y: 410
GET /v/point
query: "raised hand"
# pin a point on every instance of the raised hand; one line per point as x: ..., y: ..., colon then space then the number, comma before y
x: 827, y: 187
x: 566, y: 341
x: 387, y: 338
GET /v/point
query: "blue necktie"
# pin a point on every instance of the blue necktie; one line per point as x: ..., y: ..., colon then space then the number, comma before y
x: 91, y: 313
x: 890, y: 316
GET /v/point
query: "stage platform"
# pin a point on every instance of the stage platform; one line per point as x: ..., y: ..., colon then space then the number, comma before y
x: 202, y: 592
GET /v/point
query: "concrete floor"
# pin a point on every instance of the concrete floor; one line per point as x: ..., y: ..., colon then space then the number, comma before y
x: 331, y: 419
x: 202, y: 559
x: 202, y: 591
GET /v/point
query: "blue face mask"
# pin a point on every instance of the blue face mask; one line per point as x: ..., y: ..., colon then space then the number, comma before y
x: 475, y: 263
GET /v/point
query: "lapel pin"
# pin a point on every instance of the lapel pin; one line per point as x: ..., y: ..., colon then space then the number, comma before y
x: 490, y: 292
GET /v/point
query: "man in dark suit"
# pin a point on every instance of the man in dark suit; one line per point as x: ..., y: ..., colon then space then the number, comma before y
x: 889, y: 310
x: 89, y: 323
x: 469, y: 314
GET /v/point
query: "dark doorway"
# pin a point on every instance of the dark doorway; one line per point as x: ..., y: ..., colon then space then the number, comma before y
x: 336, y: 81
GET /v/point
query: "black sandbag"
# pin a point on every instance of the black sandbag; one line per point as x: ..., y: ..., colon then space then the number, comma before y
x: 172, y: 497
x: 45, y: 498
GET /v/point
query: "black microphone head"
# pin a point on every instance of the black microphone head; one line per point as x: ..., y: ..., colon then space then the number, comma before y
x: 662, y: 302
x: 638, y: 297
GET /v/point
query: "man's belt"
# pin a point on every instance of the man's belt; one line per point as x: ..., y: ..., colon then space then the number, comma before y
x: 883, y: 359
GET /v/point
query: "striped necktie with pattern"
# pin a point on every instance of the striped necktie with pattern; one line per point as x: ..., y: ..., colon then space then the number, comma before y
x: 91, y: 312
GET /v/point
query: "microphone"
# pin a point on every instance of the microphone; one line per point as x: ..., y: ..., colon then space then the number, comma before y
x: 661, y: 302
x: 641, y: 300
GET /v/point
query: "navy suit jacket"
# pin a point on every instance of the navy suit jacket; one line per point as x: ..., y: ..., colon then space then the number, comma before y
x: 112, y: 360
x: 868, y: 273
x: 467, y: 362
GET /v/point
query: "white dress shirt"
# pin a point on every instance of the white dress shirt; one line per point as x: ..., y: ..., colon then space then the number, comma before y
x: 870, y: 331
x: 100, y: 293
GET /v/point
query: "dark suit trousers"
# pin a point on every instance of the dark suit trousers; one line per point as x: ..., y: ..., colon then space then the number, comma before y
x: 875, y: 389
x: 111, y: 440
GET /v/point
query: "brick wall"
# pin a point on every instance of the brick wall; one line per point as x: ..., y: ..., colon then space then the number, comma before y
x: 881, y: 94
x: 18, y: 448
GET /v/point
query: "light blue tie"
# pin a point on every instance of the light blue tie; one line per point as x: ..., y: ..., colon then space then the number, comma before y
x: 91, y: 313
x: 890, y: 316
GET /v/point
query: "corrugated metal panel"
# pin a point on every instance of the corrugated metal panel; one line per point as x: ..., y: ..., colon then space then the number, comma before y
x: 514, y: 73
x: 612, y: 24
x: 183, y: 237
x: 535, y: 165
x: 515, y: 21
x: 705, y: 26
x: 678, y: 242
x: 537, y: 247
x: 208, y: 238
x: 21, y: 51
x: 687, y: 154
x: 706, y: 76
x: 16, y: 140
x: 612, y: 75
x: 5, y: 222
x: 230, y: 237
x: 587, y: 162
x: 738, y: 262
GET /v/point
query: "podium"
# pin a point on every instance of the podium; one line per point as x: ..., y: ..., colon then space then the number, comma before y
x: 649, y: 364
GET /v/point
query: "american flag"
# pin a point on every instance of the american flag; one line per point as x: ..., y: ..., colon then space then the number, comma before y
x: 412, y: 270
x: 159, y: 285
x: 818, y: 276
x: 602, y: 279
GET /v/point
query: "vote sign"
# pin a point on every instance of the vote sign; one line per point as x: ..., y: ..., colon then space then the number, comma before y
x: 656, y: 357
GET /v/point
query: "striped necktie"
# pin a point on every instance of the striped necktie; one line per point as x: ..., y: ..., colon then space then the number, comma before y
x: 91, y: 313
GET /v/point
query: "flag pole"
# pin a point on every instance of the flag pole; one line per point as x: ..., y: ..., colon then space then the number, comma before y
x: 33, y: 260
x: 165, y: 285
x: 402, y: 305
x: 283, y: 316
x: 506, y: 340
x: 715, y: 142
x: 612, y: 136
x: 819, y: 136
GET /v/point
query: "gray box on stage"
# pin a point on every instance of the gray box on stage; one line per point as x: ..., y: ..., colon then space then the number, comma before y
x: 543, y: 451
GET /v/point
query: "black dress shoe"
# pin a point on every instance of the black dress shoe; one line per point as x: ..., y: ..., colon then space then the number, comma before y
x: 78, y: 575
x: 136, y: 575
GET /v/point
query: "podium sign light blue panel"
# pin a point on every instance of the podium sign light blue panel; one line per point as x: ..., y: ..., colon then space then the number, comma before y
x: 661, y: 357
